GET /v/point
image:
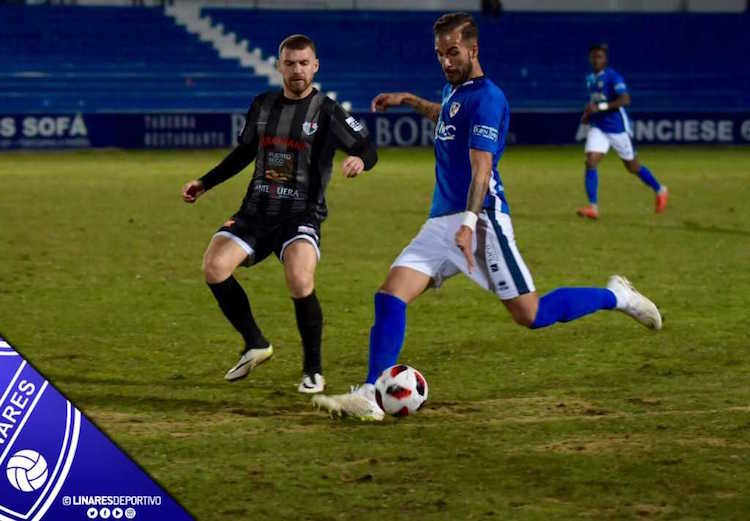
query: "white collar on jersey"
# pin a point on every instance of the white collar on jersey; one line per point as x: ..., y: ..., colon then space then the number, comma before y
x: 454, y: 89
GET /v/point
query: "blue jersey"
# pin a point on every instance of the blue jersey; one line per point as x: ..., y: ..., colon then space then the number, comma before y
x: 607, y: 85
x: 473, y: 115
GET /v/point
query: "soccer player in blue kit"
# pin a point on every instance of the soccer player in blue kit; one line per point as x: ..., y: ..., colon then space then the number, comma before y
x: 469, y: 228
x: 609, y: 126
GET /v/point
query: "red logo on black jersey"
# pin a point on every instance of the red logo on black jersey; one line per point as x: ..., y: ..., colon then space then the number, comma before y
x: 269, y: 141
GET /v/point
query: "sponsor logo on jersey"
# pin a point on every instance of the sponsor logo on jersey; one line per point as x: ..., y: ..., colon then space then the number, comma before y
x: 355, y: 125
x: 270, y: 141
x: 454, y: 108
x: 445, y: 132
x: 279, y: 158
x: 485, y: 132
x: 309, y: 127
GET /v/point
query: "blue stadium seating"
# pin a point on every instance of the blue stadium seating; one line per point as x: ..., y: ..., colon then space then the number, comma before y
x: 93, y: 59
x: 671, y: 61
x: 99, y: 59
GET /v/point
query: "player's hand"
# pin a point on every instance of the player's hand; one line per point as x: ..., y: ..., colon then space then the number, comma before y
x: 387, y: 99
x: 591, y: 108
x: 464, y: 237
x: 352, y: 166
x: 192, y: 191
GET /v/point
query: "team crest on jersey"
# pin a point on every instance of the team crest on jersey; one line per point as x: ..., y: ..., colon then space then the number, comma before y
x: 454, y: 108
x: 309, y: 127
x: 600, y: 84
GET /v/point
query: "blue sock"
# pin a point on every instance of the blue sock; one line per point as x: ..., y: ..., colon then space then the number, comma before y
x: 566, y: 304
x: 648, y: 178
x: 387, y: 334
x: 592, y: 184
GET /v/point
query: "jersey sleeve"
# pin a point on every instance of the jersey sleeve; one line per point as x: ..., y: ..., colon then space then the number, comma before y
x: 618, y: 84
x: 488, y: 124
x: 230, y: 166
x: 351, y: 136
x: 241, y: 156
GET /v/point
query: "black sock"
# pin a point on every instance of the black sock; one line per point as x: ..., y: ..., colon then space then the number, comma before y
x: 310, y: 325
x: 233, y: 302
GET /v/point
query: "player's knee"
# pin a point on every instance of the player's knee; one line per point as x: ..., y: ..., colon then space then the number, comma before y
x: 300, y: 282
x: 214, y: 270
x: 590, y: 163
x: 301, y: 289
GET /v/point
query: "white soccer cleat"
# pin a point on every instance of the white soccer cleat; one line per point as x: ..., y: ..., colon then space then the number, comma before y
x: 249, y: 360
x: 359, y: 403
x: 632, y: 303
x: 312, y: 384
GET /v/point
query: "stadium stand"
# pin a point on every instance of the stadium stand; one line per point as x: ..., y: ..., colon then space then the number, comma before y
x: 98, y: 59
x: 101, y: 59
x: 539, y: 59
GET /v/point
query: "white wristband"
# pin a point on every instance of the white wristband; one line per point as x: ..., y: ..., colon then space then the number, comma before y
x: 603, y: 105
x: 470, y: 220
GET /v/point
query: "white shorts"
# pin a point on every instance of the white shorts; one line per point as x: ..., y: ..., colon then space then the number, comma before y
x: 598, y: 141
x: 498, y: 265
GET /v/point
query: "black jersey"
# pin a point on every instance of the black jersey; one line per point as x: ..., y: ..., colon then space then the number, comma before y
x: 293, y: 143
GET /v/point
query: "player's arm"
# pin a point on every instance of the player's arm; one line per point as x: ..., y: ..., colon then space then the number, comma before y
x: 232, y: 164
x: 481, y: 171
x: 621, y: 100
x: 352, y: 137
x: 586, y: 116
x: 488, y: 125
x: 428, y: 109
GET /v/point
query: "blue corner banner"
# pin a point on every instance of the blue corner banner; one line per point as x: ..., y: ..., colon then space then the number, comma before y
x: 55, y: 464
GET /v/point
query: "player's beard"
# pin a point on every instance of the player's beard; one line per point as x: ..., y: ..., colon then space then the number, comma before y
x: 461, y: 78
x: 298, y: 87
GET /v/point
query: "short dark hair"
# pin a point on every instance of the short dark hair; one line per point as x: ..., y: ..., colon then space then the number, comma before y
x: 297, y: 42
x: 601, y: 46
x: 452, y: 21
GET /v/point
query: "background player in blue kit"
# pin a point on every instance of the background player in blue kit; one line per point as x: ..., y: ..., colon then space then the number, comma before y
x: 609, y: 126
x: 469, y: 228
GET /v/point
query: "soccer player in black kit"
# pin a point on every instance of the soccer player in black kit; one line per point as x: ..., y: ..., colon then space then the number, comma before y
x: 292, y: 134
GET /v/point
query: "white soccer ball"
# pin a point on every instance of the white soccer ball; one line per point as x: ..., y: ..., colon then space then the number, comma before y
x: 401, y: 390
x: 27, y: 470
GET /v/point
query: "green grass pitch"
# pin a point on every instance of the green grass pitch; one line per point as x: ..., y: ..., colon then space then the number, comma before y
x: 101, y: 288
